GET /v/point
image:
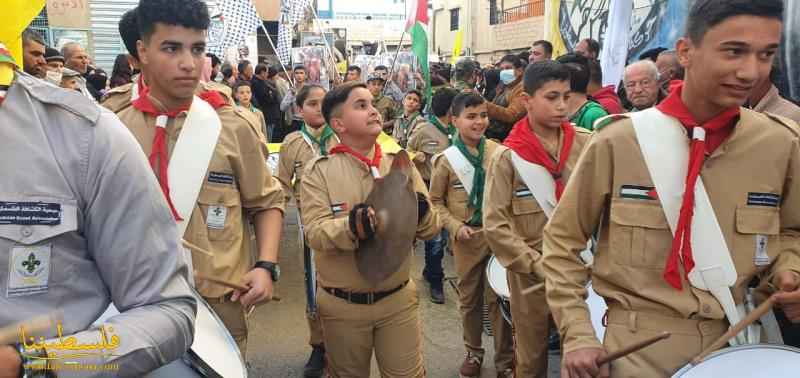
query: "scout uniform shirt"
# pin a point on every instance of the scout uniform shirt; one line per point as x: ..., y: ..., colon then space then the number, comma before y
x: 404, y: 126
x: 758, y: 211
x: 426, y: 141
x: 238, y: 185
x: 332, y: 185
x: 103, y: 232
x: 512, y: 219
x: 295, y: 153
x: 386, y: 107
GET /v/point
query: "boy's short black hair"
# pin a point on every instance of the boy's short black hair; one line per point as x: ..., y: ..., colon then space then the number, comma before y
x: 382, y: 68
x: 129, y: 31
x: 414, y: 92
x: 242, y: 66
x: 578, y: 66
x: 595, y: 71
x: 192, y: 14
x: 705, y: 14
x: 354, y: 68
x: 546, y: 46
x: 442, y: 100
x: 241, y: 83
x: 261, y: 67
x: 515, y: 60
x: 227, y: 70
x: 214, y: 59
x: 337, y: 96
x: 301, y: 97
x: 299, y: 67
x: 465, y: 100
x: 540, y: 73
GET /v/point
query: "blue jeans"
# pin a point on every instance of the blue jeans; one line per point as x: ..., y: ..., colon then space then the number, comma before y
x: 434, y: 252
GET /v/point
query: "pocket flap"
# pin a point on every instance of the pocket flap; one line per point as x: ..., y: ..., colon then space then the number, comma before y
x: 521, y: 206
x: 32, y: 234
x: 758, y: 220
x: 210, y: 195
x: 645, y: 215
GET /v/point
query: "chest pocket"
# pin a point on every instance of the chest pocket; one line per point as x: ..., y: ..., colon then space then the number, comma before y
x: 529, y: 218
x: 757, y: 230
x: 221, y: 208
x: 639, y: 234
x: 457, y: 199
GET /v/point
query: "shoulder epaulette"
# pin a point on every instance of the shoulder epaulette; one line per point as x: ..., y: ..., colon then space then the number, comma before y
x: 791, y: 125
x: 607, y: 120
x: 69, y: 100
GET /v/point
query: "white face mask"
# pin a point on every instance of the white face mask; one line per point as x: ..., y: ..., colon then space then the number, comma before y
x: 54, y: 76
x: 507, y: 76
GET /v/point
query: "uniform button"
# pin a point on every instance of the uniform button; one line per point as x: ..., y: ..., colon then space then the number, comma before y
x: 706, y: 309
x: 705, y: 328
x: 26, y: 231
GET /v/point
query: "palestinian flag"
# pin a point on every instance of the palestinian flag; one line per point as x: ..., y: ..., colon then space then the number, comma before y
x: 416, y: 26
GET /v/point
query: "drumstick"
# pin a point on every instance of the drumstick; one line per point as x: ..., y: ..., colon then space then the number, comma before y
x: 11, y: 334
x: 754, y: 315
x: 195, y: 248
x: 532, y: 288
x: 228, y: 284
x: 631, y: 348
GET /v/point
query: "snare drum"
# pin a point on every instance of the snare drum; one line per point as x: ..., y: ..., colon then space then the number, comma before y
x: 498, y: 281
x: 597, y: 310
x: 756, y: 360
x: 214, y: 353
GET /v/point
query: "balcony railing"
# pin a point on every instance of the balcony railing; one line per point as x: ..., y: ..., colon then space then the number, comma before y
x: 533, y: 8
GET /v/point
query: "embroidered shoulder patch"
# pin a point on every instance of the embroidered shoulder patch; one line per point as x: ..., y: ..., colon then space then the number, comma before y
x: 220, y: 178
x: 337, y: 208
x: 523, y: 193
x: 763, y: 199
x: 638, y: 192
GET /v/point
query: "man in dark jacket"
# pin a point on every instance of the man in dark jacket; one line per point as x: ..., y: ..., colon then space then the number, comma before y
x: 266, y: 96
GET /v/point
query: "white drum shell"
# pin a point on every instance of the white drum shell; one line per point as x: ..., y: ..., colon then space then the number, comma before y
x: 745, y: 361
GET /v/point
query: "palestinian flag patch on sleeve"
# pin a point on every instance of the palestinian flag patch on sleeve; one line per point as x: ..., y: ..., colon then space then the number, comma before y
x: 638, y: 192
x: 337, y: 208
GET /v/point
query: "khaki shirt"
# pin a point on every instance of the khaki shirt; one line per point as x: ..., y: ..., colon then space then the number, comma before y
x: 775, y: 104
x: 114, y: 239
x: 295, y: 153
x: 333, y: 185
x: 635, y: 239
x: 118, y: 98
x: 238, y: 180
x: 386, y: 107
x: 515, y: 110
x: 512, y: 219
x: 402, y: 134
x: 425, y: 142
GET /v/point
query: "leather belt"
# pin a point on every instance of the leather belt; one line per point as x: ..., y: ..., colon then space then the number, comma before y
x: 362, y: 298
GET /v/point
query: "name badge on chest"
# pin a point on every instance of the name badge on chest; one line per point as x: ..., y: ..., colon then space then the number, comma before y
x: 30, y: 213
x: 216, y: 216
x: 29, y: 270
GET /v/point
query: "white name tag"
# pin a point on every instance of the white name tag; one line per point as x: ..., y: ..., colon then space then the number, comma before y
x: 29, y: 270
x: 215, y: 218
x: 761, y: 257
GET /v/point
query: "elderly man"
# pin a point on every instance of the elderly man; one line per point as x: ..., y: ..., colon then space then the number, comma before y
x: 642, y: 85
x: 76, y: 59
x: 669, y: 68
x: 33, y: 47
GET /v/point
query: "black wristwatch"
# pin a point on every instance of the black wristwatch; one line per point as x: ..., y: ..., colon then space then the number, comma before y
x: 271, y: 267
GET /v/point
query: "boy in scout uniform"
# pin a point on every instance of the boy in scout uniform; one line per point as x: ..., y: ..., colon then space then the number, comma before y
x: 172, y: 51
x: 427, y: 140
x: 411, y: 118
x: 385, y: 106
x: 459, y: 204
x: 514, y: 216
x: 315, y: 138
x: 357, y: 316
x: 647, y: 276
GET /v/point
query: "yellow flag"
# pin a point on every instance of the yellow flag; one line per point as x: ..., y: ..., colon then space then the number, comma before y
x: 552, y: 32
x: 17, y: 15
x: 457, y: 47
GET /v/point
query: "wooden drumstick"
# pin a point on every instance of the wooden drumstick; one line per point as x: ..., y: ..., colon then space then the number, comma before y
x: 202, y: 277
x: 754, y: 315
x: 40, y: 324
x: 195, y: 248
x: 631, y: 348
x: 532, y: 288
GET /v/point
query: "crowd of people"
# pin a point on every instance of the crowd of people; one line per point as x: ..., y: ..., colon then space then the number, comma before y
x: 521, y: 162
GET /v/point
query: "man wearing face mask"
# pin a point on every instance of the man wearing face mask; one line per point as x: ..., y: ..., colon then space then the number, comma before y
x: 508, y: 106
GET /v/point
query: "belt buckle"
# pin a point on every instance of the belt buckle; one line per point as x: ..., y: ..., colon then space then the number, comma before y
x: 370, y: 298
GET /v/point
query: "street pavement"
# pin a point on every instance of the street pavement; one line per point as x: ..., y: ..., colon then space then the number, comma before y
x: 278, y: 342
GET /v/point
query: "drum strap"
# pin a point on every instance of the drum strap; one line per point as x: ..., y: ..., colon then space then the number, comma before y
x: 461, y: 166
x: 665, y: 149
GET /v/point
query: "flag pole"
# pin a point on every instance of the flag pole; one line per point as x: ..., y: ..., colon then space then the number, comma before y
x: 266, y: 33
x: 325, y: 40
x: 394, y: 61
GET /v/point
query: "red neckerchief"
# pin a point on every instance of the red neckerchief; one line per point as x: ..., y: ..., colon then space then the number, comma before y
x: 526, y: 144
x: 705, y: 139
x: 158, y: 155
x: 374, y: 163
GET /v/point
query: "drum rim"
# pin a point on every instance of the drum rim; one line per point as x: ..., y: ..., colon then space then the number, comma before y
x: 488, y: 269
x: 228, y: 337
x: 727, y: 350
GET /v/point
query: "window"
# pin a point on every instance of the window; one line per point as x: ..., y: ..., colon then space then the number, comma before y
x: 493, y: 12
x: 454, y: 19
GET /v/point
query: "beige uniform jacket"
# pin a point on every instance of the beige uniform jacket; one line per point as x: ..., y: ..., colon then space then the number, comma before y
x: 238, y: 185
x: 448, y: 195
x: 512, y: 219
x: 400, y: 133
x: 425, y: 142
x: 332, y: 185
x: 296, y: 153
x: 118, y: 98
x: 752, y: 181
x: 515, y: 110
x: 775, y: 104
